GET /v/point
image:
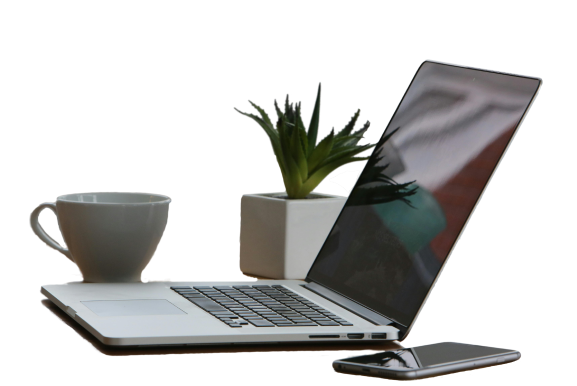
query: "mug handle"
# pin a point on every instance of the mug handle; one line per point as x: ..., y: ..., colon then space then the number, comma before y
x: 37, y: 228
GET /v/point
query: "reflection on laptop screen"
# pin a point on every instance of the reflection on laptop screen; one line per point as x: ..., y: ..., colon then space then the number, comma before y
x: 420, y: 185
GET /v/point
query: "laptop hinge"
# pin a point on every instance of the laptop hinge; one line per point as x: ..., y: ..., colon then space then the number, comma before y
x: 348, y: 304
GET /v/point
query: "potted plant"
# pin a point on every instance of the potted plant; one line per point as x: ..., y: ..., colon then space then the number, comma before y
x: 282, y: 233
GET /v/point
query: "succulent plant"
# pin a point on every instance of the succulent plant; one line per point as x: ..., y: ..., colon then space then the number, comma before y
x: 303, y: 162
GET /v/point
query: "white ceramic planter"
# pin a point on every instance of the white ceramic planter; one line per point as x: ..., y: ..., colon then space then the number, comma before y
x: 280, y: 238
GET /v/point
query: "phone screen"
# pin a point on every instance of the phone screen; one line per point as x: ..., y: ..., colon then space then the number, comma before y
x: 426, y: 356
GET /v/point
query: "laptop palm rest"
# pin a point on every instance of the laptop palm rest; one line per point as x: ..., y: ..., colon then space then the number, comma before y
x: 132, y: 307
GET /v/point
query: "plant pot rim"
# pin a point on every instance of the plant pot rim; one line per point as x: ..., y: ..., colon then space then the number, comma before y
x: 279, y: 196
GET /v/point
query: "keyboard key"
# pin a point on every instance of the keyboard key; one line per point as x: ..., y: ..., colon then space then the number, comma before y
x: 330, y: 323
x: 219, y: 314
x: 264, y: 323
x: 199, y: 296
x: 253, y: 319
x: 259, y: 310
x: 180, y: 287
x: 207, y: 304
x: 228, y: 305
x: 305, y: 324
x: 269, y: 304
x: 298, y: 319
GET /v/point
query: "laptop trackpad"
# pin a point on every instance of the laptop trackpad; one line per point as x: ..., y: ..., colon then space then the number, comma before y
x: 133, y: 307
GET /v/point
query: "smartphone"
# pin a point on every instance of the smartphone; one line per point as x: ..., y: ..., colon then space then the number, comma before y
x: 426, y: 361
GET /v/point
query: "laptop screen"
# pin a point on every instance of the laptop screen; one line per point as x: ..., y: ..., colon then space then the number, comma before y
x: 420, y: 185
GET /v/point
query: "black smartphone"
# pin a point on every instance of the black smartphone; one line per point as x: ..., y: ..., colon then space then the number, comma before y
x: 426, y: 361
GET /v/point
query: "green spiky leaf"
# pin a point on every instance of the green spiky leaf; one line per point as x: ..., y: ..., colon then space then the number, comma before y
x: 321, y: 152
x: 314, y: 125
x: 303, y: 163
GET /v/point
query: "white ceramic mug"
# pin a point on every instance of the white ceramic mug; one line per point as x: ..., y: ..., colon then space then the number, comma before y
x: 110, y: 236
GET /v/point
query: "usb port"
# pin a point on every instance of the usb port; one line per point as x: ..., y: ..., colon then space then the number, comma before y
x: 355, y: 336
x: 379, y: 336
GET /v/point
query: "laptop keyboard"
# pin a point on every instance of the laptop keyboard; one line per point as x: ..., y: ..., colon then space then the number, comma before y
x: 259, y: 305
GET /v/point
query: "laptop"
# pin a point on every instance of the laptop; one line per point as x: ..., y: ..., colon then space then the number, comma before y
x: 384, y: 253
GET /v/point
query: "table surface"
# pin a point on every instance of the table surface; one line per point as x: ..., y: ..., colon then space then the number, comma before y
x: 101, y: 348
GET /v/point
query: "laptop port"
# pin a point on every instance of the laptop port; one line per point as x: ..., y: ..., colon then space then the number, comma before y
x: 324, y: 336
x: 379, y: 336
x: 355, y: 336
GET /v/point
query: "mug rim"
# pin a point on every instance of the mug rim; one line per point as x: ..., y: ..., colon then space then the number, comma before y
x: 163, y: 199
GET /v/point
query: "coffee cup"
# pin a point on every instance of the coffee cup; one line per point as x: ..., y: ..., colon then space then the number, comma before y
x: 110, y: 236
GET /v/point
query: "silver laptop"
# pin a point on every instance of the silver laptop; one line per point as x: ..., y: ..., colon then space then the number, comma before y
x: 384, y: 253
